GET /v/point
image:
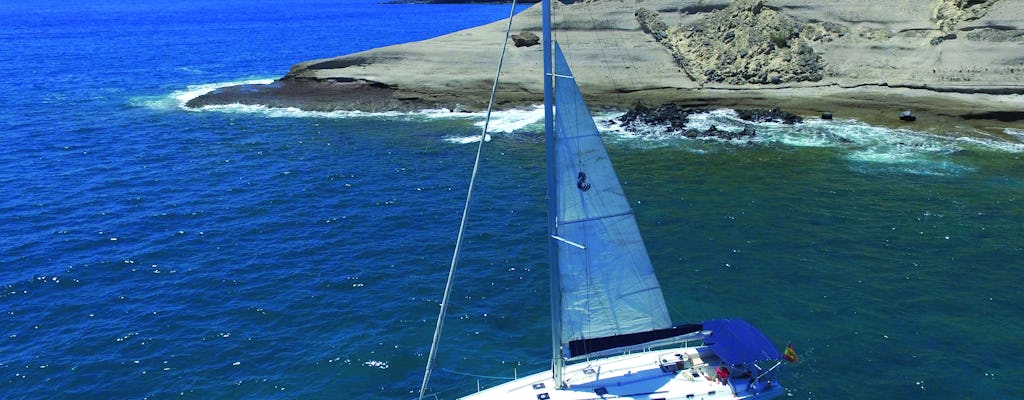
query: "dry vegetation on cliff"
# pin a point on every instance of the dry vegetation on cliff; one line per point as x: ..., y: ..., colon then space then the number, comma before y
x: 746, y: 42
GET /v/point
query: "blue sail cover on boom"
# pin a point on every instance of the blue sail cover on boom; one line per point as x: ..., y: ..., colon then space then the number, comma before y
x: 736, y: 341
x: 608, y: 286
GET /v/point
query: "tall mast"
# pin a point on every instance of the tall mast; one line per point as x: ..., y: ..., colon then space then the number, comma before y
x: 549, y: 126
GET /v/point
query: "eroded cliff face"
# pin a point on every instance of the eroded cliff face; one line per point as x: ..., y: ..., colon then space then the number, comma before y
x: 949, y: 13
x: 914, y: 43
x: 746, y: 42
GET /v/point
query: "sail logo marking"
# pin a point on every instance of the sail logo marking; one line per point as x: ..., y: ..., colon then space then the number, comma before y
x: 581, y: 182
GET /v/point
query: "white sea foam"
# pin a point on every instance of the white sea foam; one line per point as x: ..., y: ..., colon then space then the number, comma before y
x: 515, y: 120
x: 864, y: 143
x: 905, y: 159
x: 466, y: 139
x: 994, y: 144
x: 659, y: 135
x: 504, y: 122
x: 1016, y: 133
x: 869, y: 148
x: 183, y: 96
x: 878, y: 148
x: 377, y: 364
x: 293, y: 112
x: 177, y: 99
x: 720, y: 118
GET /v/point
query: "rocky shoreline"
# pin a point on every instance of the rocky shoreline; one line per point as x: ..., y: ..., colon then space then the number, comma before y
x: 674, y: 119
x: 958, y: 64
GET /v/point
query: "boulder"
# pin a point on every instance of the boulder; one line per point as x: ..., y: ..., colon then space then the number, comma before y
x: 525, y: 39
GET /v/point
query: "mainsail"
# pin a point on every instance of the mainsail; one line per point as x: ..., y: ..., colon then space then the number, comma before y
x: 607, y: 284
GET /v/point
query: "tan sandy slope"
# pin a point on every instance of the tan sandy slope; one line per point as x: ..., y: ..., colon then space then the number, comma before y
x: 953, y: 62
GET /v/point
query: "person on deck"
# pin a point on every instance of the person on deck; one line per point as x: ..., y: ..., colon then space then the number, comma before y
x: 723, y: 373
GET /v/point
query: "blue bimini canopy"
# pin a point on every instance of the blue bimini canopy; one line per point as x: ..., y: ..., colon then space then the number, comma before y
x: 736, y: 342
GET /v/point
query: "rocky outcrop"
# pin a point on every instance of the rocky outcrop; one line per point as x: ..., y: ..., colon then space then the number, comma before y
x: 312, y: 94
x: 768, y: 115
x: 873, y: 56
x: 651, y: 23
x: 673, y: 118
x: 525, y: 39
x: 746, y: 42
x: 951, y: 13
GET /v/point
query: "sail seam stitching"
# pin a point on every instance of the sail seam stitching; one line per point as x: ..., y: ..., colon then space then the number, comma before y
x: 576, y: 221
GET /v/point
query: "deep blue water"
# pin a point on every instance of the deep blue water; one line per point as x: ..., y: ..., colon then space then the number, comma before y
x: 153, y: 252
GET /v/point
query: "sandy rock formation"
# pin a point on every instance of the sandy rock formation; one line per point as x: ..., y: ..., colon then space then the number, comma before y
x: 950, y: 13
x: 950, y: 61
x: 746, y: 42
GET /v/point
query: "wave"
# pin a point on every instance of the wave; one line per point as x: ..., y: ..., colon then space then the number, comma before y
x: 1016, y: 133
x: 867, y: 147
x: 466, y: 139
x: 505, y: 121
x: 904, y: 150
x: 178, y: 98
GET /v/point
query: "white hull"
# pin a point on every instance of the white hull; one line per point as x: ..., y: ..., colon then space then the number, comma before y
x: 665, y: 374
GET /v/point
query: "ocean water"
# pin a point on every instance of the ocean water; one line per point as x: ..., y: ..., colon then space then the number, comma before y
x: 153, y: 252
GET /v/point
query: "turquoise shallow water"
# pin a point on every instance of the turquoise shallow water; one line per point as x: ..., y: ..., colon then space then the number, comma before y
x: 153, y: 252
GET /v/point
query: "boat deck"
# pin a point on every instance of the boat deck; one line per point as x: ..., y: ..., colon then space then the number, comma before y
x: 655, y: 375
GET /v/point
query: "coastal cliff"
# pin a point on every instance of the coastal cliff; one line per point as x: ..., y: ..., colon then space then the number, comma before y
x: 949, y: 60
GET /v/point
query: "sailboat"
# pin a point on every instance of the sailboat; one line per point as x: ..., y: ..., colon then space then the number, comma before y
x: 612, y: 336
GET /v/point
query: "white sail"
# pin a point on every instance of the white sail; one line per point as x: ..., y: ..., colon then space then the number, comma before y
x: 608, y: 286
x: 612, y: 336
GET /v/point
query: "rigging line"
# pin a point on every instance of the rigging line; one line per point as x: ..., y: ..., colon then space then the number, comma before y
x: 465, y: 212
x: 437, y: 395
x: 506, y: 378
x: 601, y: 47
x: 627, y: 67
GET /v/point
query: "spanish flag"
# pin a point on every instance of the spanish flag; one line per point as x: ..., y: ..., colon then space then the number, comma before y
x: 789, y: 354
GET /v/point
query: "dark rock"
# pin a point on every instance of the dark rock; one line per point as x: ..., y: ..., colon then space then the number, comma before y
x: 673, y: 118
x: 1002, y: 34
x: 826, y: 115
x: 312, y: 94
x: 756, y: 6
x: 768, y: 115
x: 714, y: 132
x: 526, y: 39
x: 1004, y: 116
x: 907, y: 116
x: 341, y: 62
x: 650, y: 23
x: 943, y: 38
